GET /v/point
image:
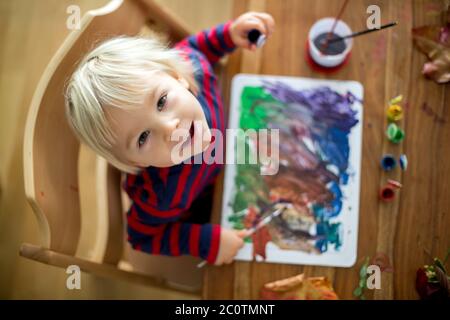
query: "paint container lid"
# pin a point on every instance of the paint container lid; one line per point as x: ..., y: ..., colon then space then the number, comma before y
x: 395, y: 184
x: 403, y: 160
x: 261, y: 41
x: 396, y: 100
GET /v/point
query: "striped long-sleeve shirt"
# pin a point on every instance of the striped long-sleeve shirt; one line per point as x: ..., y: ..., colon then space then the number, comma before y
x: 162, y: 197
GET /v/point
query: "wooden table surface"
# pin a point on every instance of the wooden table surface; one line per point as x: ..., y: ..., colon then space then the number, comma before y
x: 417, y: 224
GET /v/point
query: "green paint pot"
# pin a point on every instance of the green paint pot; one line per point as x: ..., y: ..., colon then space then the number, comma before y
x: 394, y: 133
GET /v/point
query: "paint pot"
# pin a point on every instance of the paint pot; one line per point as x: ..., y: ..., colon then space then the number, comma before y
x: 394, y: 133
x: 388, y: 162
x: 394, y: 112
x: 387, y: 193
x: 334, y: 53
x: 255, y: 37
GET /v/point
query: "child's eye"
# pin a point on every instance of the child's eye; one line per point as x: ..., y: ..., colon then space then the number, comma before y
x: 142, y: 138
x: 161, y: 102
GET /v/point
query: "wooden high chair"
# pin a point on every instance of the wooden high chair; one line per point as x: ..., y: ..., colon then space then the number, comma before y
x: 93, y: 239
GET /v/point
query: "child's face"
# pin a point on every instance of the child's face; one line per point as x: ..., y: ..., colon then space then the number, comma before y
x: 144, y: 135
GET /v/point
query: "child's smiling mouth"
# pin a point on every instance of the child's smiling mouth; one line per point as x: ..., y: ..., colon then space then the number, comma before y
x: 190, y: 144
x: 190, y: 138
x: 192, y: 130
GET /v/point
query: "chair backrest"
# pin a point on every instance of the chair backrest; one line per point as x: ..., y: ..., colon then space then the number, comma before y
x: 51, y: 151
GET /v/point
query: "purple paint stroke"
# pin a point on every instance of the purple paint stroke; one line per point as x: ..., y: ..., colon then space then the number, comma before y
x: 327, y: 107
x: 314, y: 154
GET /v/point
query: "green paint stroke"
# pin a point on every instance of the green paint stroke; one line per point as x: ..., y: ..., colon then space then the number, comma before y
x: 250, y: 186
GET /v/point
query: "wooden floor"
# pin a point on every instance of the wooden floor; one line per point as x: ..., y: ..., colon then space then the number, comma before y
x: 30, y: 33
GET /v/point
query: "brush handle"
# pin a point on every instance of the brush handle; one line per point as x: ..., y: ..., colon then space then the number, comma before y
x: 261, y: 224
x: 359, y: 33
x: 202, y: 264
x: 264, y: 221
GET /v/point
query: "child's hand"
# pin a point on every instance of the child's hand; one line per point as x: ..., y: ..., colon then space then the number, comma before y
x: 230, y: 242
x: 243, y: 24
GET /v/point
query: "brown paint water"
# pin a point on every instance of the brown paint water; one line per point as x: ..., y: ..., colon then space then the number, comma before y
x: 332, y: 48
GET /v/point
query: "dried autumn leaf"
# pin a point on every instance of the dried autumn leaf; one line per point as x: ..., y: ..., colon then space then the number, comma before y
x: 299, y: 288
x: 434, y: 42
x: 438, y: 68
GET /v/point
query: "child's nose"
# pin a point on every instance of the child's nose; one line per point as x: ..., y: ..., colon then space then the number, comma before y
x: 169, y: 126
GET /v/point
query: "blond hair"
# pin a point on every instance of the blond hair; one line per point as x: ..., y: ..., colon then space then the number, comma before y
x: 116, y: 74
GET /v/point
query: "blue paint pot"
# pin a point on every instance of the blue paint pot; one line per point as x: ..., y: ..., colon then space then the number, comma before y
x: 388, y: 162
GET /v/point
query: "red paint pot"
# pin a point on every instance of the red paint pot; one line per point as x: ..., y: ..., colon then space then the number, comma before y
x: 387, y: 193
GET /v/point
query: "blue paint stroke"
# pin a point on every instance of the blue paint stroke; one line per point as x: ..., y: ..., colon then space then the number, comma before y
x: 330, y: 119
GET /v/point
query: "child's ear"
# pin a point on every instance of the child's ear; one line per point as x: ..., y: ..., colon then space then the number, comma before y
x: 183, y: 82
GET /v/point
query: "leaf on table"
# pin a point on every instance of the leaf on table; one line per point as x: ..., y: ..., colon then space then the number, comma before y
x: 434, y: 42
x: 299, y: 287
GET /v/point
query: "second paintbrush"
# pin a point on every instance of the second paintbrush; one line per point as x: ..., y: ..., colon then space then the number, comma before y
x: 360, y: 33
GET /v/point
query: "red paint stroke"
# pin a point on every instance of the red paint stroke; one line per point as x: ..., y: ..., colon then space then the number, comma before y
x: 260, y: 237
x: 250, y: 218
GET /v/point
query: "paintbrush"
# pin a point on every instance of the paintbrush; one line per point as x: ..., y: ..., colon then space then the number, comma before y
x: 341, y: 11
x: 260, y: 224
x: 359, y: 33
x: 267, y: 219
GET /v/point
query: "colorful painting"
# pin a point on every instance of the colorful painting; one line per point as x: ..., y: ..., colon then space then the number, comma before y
x: 319, y: 127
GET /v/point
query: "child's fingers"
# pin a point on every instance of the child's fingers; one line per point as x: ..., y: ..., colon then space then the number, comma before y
x: 247, y: 26
x: 242, y: 234
x: 233, y: 255
x: 268, y: 21
x: 218, y: 262
x: 255, y: 23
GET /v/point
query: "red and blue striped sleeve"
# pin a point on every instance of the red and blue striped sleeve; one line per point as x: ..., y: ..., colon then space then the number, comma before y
x: 213, y: 43
x: 160, y: 198
x: 172, y: 238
